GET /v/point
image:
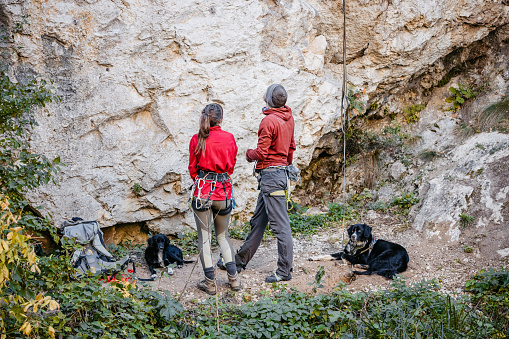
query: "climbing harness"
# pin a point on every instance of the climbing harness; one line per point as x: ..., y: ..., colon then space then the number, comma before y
x: 211, y: 178
x: 292, y: 174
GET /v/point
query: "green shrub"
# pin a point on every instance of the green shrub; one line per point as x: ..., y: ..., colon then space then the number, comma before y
x: 465, y: 220
x: 459, y: 96
x: 188, y: 242
x: 405, y: 201
x: 137, y: 189
x: 412, y: 113
x: 416, y: 311
x: 356, y: 105
x: 490, y: 292
x: 378, y: 206
x: 468, y: 249
x: 429, y: 155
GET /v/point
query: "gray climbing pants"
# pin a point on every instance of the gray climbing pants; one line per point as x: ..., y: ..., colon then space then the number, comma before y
x: 270, y: 210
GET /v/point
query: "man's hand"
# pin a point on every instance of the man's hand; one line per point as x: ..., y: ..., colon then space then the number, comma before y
x: 247, y: 156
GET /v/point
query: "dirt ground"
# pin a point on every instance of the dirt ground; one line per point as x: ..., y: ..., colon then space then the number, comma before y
x: 447, y: 262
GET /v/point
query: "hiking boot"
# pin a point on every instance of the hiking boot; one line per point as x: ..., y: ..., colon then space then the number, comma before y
x: 207, y: 285
x: 235, y: 283
x: 221, y: 264
x: 274, y: 277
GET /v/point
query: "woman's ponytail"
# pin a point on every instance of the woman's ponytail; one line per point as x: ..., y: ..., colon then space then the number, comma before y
x: 211, y: 115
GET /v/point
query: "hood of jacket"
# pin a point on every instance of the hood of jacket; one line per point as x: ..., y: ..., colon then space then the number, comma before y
x: 284, y: 112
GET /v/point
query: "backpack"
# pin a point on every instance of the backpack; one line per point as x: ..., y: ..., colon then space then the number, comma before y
x: 94, y: 257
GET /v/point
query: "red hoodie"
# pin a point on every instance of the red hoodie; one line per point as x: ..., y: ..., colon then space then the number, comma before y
x: 275, y: 139
x: 220, y: 156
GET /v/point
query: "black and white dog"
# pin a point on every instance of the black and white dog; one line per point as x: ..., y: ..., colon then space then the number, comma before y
x: 374, y: 255
x: 160, y: 253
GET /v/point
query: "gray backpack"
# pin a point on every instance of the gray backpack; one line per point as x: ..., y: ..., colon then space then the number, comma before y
x: 94, y: 257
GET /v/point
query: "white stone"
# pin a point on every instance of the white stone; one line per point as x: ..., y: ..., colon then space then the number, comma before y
x: 504, y: 252
x: 397, y: 170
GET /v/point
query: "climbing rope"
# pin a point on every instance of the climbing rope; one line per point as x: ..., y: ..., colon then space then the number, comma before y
x: 344, y: 117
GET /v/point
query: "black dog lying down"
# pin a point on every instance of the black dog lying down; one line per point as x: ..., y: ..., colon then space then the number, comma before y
x: 375, y: 256
x: 160, y: 253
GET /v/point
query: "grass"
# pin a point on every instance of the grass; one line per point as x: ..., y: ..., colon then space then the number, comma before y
x: 495, y: 117
x: 303, y: 225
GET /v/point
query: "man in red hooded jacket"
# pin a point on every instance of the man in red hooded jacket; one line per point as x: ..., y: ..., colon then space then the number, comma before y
x: 273, y: 153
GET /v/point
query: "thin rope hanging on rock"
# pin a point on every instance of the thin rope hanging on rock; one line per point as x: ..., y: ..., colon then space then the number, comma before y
x: 344, y: 118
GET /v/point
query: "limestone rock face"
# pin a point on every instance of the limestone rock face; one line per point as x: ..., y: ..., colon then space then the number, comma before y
x: 134, y: 76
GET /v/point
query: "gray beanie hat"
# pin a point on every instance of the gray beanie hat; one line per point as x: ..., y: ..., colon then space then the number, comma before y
x: 276, y: 93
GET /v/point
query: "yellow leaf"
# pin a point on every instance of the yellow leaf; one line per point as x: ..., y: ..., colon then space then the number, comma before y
x: 51, y: 331
x: 27, y: 307
x: 9, y: 236
x: 26, y: 328
x: 36, y: 306
x: 53, y: 305
x: 39, y: 297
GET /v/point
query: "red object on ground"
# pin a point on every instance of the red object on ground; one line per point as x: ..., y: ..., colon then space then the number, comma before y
x: 123, y: 277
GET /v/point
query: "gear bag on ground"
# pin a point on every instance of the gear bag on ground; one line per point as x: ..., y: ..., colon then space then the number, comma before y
x: 94, y: 257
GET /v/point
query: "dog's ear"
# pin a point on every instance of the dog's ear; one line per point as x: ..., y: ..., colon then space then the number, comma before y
x: 166, y: 241
x: 367, y: 231
x: 150, y: 241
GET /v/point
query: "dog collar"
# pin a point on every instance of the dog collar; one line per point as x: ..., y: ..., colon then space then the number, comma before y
x: 373, y: 241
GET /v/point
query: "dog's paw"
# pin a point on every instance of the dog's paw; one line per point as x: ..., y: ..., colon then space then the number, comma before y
x: 170, y: 271
x: 180, y: 266
x: 153, y: 276
x: 322, y: 258
x: 348, y: 278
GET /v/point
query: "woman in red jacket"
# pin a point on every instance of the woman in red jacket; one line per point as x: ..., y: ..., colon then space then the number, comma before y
x: 212, y: 158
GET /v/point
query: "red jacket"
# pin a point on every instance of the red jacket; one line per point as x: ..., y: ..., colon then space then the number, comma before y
x: 219, y: 156
x: 276, y: 143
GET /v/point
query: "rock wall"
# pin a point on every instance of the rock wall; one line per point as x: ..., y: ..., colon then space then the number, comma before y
x: 134, y: 75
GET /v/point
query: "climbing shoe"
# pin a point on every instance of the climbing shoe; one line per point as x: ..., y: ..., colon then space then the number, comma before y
x: 234, y: 281
x: 207, y: 285
x: 274, y: 277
